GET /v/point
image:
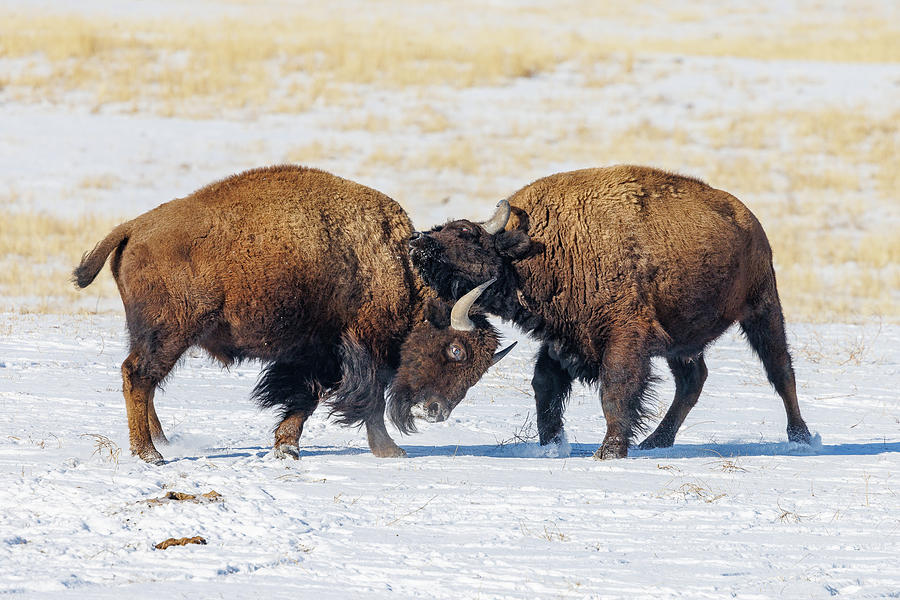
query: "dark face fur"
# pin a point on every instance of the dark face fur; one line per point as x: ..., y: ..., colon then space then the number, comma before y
x: 438, y: 365
x: 455, y: 257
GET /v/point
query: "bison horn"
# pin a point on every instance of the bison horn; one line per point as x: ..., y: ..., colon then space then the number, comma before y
x: 459, y: 316
x: 499, y: 355
x: 498, y: 221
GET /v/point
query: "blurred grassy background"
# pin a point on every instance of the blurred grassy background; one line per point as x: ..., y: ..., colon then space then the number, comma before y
x: 823, y: 181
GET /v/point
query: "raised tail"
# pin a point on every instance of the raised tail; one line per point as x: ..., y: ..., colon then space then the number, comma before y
x: 93, y: 261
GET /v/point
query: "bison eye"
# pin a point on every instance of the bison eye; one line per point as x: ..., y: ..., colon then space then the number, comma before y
x: 466, y: 231
x: 456, y: 353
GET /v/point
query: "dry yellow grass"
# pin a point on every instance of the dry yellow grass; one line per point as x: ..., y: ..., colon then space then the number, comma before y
x: 384, y: 155
x: 37, y: 255
x: 368, y: 121
x: 106, y: 181
x: 859, y: 41
x: 855, y: 136
x: 315, y: 152
x: 429, y: 120
x: 198, y: 68
x: 461, y: 155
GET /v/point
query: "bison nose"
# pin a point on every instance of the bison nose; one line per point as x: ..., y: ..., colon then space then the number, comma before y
x: 434, y: 413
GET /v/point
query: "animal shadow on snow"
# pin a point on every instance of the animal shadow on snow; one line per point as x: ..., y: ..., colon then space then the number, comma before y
x: 736, y: 449
x: 724, y: 450
x: 517, y: 450
x: 263, y: 451
x: 578, y: 450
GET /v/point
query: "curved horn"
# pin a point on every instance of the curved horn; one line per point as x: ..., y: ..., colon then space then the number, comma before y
x: 499, y: 355
x: 498, y: 221
x: 459, y: 316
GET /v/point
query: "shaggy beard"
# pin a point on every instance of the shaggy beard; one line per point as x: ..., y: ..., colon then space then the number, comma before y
x: 399, y: 409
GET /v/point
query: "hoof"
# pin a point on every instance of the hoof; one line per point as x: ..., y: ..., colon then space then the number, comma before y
x: 151, y: 456
x: 555, y: 440
x: 799, y: 434
x: 656, y: 441
x: 283, y: 451
x: 394, y: 452
x: 615, y: 448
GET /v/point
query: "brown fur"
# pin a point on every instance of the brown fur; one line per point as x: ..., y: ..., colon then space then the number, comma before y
x: 298, y: 268
x: 611, y: 266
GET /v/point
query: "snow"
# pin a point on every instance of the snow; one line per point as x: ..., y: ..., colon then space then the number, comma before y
x: 731, y: 509
x: 478, y: 509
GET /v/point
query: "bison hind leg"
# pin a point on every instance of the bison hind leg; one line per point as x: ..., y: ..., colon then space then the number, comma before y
x: 764, y: 329
x: 295, y: 389
x: 156, y: 431
x: 142, y: 371
x: 690, y: 375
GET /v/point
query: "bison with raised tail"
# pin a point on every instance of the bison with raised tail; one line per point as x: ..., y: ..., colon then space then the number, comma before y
x: 610, y: 267
x: 308, y: 273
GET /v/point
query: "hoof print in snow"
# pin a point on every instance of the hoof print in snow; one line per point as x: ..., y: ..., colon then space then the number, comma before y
x: 180, y: 542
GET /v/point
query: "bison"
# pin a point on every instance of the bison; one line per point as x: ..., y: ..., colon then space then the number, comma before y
x: 609, y: 267
x: 308, y: 273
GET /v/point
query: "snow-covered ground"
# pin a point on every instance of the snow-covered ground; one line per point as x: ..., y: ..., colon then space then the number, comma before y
x: 732, y: 509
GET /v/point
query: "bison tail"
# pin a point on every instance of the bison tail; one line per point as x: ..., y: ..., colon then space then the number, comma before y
x: 93, y: 261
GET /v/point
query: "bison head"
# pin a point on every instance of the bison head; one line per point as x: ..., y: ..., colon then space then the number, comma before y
x: 453, y: 258
x: 443, y: 356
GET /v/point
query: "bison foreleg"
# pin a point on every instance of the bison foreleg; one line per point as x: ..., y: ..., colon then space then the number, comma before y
x: 380, y: 441
x: 690, y: 374
x: 552, y: 384
x: 295, y: 388
x: 360, y: 396
x: 287, y: 436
